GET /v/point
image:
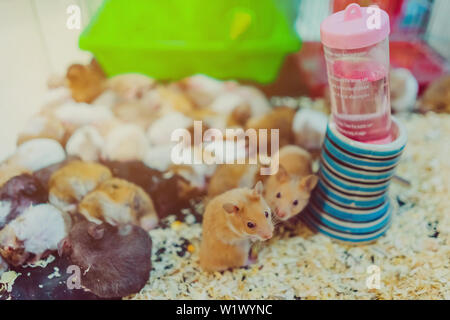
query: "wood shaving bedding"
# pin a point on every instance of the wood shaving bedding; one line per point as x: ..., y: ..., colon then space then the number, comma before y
x: 413, y: 257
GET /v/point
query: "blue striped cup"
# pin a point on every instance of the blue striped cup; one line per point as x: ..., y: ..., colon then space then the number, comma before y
x: 350, y: 202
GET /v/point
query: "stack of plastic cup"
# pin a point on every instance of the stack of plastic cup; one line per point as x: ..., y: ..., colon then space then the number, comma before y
x: 351, y: 202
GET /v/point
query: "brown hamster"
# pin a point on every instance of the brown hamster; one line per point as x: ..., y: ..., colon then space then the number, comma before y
x: 230, y: 176
x: 135, y: 112
x: 231, y: 221
x: 239, y: 116
x: 280, y: 118
x: 171, y: 194
x: 118, y: 202
x: 437, y: 96
x: 130, y: 86
x: 68, y: 185
x: 114, y: 262
x: 288, y: 191
x: 86, y: 82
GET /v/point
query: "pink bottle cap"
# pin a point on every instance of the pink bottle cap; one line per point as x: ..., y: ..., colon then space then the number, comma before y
x: 355, y: 27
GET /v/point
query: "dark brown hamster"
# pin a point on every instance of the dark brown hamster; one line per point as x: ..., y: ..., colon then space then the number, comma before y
x: 114, y: 262
x: 21, y: 192
x: 38, y: 284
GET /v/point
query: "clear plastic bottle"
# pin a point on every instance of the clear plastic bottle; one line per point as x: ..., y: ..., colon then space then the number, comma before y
x: 356, y: 50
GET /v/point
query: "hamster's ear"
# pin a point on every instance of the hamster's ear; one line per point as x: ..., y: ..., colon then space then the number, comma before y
x: 230, y: 208
x: 64, y: 247
x: 258, y: 190
x: 96, y: 231
x: 308, y: 183
x: 282, y: 175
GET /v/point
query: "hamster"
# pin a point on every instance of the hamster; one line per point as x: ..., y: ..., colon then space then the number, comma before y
x: 309, y: 127
x: 18, y: 194
x: 86, y: 143
x: 159, y: 133
x: 158, y: 157
x: 108, y: 98
x: 239, y: 116
x: 404, y: 89
x: 230, y: 176
x: 126, y: 142
x: 42, y: 127
x: 114, y: 262
x: 226, y: 102
x: 231, y: 222
x: 288, y: 191
x: 174, y: 99
x: 130, y: 86
x: 171, y: 194
x: 119, y: 202
x: 86, y: 82
x: 74, y: 115
x: 259, y: 105
x: 196, y: 174
x: 34, y: 234
x: 69, y: 184
x: 240, y: 103
x: 135, y: 112
x: 280, y: 118
x: 437, y: 96
x: 44, y: 175
x: 203, y: 90
x: 10, y: 170
x: 38, y: 153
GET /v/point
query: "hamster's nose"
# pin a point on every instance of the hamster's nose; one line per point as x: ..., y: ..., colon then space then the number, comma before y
x: 280, y: 213
x: 267, y: 235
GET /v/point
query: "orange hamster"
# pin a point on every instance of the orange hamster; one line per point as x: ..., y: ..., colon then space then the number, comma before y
x: 86, y: 82
x: 280, y: 118
x: 130, y: 86
x: 69, y: 184
x: 288, y: 191
x: 231, y: 222
x: 230, y: 176
x: 119, y: 202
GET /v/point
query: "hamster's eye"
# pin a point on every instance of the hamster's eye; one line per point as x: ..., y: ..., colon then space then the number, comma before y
x: 266, y: 214
x: 251, y: 225
x: 295, y: 202
x: 279, y: 195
